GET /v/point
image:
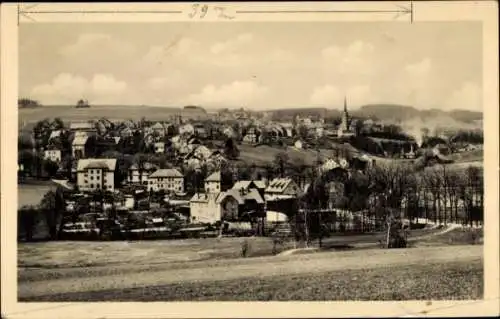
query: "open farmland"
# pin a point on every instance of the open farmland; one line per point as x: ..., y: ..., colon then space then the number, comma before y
x: 458, y: 281
x: 70, y: 254
x: 450, y: 272
x: 264, y: 154
x: 111, y: 112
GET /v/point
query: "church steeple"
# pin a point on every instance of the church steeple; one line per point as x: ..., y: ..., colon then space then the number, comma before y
x: 345, y: 104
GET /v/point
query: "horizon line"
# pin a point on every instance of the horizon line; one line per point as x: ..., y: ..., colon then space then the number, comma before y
x: 213, y: 108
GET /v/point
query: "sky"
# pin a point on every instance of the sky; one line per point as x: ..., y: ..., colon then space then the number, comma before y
x: 263, y: 65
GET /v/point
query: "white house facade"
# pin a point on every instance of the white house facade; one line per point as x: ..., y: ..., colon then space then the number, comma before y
x: 96, y: 174
x: 167, y: 180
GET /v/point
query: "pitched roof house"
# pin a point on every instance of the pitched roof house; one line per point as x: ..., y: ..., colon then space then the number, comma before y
x: 282, y: 188
x: 78, y: 145
x: 166, y: 179
x: 213, y: 183
x: 96, y: 174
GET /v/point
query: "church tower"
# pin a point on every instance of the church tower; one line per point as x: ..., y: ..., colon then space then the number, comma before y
x: 344, y: 128
x: 345, y: 117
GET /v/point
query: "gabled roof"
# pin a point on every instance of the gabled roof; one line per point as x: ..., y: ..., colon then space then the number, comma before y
x: 80, y: 139
x: 214, y: 177
x: 89, y: 163
x: 158, y: 126
x: 204, y: 197
x: 254, y: 194
x: 81, y: 125
x: 278, y: 185
x: 260, y: 184
x: 241, y: 197
x: 241, y: 185
x: 233, y: 193
x: 146, y: 166
x: 168, y: 172
x: 55, y: 134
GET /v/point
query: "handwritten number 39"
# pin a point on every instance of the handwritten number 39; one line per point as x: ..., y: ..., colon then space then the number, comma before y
x: 201, y: 11
x: 197, y: 11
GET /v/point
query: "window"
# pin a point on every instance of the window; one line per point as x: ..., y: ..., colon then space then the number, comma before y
x: 98, y: 177
x: 91, y: 185
x: 98, y: 185
x: 91, y: 178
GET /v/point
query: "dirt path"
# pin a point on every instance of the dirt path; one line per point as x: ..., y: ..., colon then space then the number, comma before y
x: 258, y: 267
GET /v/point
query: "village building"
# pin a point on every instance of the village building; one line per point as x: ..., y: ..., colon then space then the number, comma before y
x: 96, y: 174
x: 78, y: 145
x: 186, y: 129
x: 86, y: 127
x: 213, y: 183
x: 299, y: 144
x: 126, y: 132
x: 158, y: 129
x: 217, y: 159
x: 229, y: 132
x: 281, y: 188
x: 204, y: 208
x: 244, y: 203
x: 329, y: 164
x: 200, y: 131
x: 167, y: 180
x: 52, y: 154
x: 159, y: 147
x: 202, y: 152
x: 140, y: 176
x: 252, y: 136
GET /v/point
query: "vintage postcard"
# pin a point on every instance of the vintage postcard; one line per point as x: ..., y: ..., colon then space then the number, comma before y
x: 218, y: 159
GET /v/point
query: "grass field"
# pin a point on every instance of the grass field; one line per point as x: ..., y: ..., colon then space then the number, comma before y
x: 69, y: 254
x: 266, y: 154
x: 469, y: 156
x: 459, y: 236
x: 456, y: 280
x: 66, y: 254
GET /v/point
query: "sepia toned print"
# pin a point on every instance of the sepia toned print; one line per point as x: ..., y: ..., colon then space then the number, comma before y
x: 251, y: 161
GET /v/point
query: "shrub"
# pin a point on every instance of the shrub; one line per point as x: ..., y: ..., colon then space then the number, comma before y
x: 245, y: 248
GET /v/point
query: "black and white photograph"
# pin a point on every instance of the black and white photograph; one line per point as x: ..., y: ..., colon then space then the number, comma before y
x: 236, y: 160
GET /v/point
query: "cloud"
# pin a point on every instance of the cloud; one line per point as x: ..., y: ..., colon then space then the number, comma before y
x: 97, y: 53
x: 419, y: 69
x: 468, y: 97
x: 329, y: 95
x: 237, y: 93
x: 326, y: 95
x: 96, y: 42
x: 160, y: 83
x: 68, y: 88
x: 232, y: 45
x: 357, y: 57
x: 177, y: 48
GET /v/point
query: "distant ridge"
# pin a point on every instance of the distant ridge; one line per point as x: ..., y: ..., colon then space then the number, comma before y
x: 385, y: 112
